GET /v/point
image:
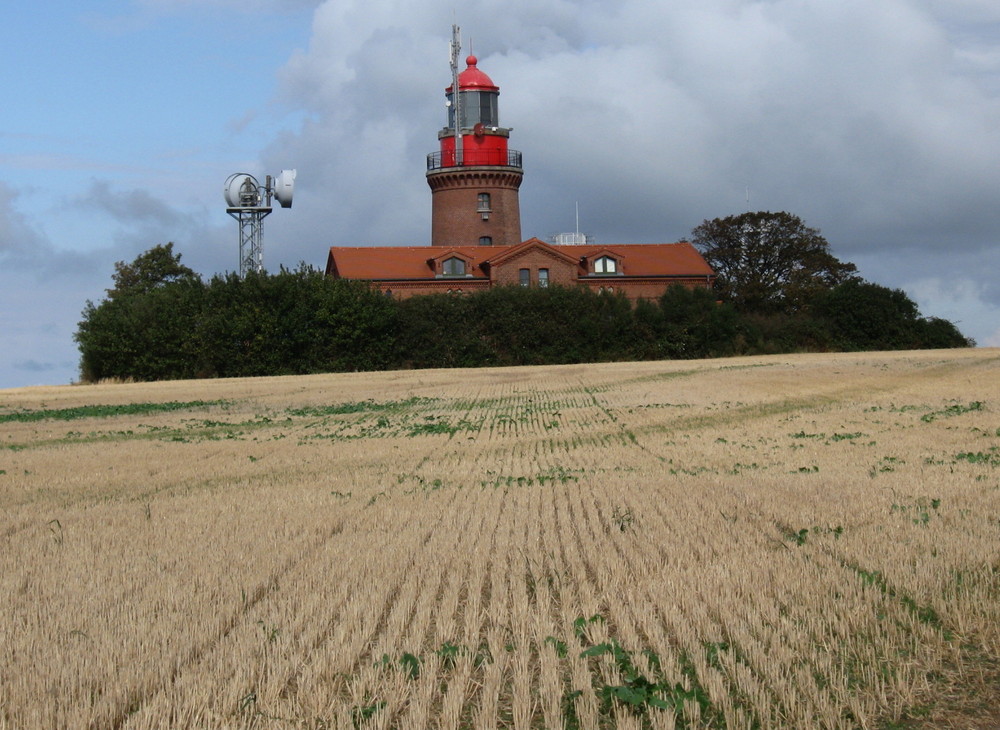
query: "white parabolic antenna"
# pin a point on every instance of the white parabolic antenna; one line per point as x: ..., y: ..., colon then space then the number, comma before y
x: 249, y: 203
x: 242, y: 191
x: 284, y: 186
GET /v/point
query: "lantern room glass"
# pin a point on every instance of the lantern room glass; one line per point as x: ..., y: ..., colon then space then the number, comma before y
x: 478, y: 107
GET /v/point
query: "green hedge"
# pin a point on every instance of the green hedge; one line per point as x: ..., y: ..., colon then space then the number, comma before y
x: 300, y: 321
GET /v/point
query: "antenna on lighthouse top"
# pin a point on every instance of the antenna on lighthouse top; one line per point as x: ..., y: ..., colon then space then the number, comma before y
x: 456, y: 98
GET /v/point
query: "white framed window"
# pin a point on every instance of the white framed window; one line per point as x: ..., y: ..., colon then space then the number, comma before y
x: 605, y: 265
x: 453, y: 267
x: 543, y: 278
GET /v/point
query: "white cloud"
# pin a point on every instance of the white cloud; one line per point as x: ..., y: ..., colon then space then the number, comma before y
x: 878, y: 123
x: 963, y: 301
x: 847, y: 112
x: 860, y: 117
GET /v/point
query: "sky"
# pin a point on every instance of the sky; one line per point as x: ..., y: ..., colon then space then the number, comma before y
x: 875, y: 121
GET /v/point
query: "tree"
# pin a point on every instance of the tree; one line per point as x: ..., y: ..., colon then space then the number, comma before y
x: 938, y: 333
x: 133, y: 334
x: 861, y: 315
x: 155, y: 267
x: 143, y: 336
x: 769, y: 262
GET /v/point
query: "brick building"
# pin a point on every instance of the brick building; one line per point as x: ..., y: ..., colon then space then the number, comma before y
x: 476, y: 222
x: 637, y: 270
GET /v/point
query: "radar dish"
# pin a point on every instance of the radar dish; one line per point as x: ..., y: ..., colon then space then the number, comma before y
x: 284, y: 186
x: 242, y: 191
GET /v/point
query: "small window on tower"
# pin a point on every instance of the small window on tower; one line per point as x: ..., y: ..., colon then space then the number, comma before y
x: 484, y: 203
x: 453, y: 267
x: 486, y: 240
x: 524, y: 277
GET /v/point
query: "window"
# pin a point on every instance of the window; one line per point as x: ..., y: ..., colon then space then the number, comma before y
x: 543, y: 278
x: 486, y: 240
x: 488, y: 108
x: 524, y: 277
x: 477, y: 106
x: 605, y: 265
x: 453, y: 267
x: 484, y: 203
x: 470, y: 108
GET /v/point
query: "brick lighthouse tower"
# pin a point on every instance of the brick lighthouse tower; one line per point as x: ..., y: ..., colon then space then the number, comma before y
x: 474, y: 177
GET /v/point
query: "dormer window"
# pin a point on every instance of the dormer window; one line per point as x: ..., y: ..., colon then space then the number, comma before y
x: 453, y: 267
x: 605, y: 265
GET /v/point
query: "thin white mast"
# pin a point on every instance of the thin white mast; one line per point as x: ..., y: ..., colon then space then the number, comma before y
x: 456, y: 48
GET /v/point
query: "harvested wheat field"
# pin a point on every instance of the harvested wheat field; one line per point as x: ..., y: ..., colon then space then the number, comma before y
x: 778, y: 542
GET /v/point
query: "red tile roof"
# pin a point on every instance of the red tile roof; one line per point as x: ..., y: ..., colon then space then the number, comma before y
x: 383, y: 263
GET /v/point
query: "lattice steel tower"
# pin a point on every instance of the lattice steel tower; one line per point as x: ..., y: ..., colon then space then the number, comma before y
x: 250, y: 203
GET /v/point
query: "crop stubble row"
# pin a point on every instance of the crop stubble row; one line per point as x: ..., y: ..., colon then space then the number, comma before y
x: 270, y: 579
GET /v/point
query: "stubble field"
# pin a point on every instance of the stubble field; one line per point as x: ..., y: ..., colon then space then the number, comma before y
x: 782, y: 542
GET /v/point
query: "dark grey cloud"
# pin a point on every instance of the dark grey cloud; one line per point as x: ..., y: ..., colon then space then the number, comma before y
x: 136, y: 206
x: 19, y: 240
x: 878, y: 123
x: 33, y: 366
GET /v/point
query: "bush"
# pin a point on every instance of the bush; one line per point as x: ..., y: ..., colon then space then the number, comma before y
x: 168, y: 323
x: 527, y: 326
x: 144, y: 336
x: 696, y: 325
x: 436, y: 331
x: 936, y: 333
x: 860, y: 315
x: 771, y: 334
x: 293, y: 322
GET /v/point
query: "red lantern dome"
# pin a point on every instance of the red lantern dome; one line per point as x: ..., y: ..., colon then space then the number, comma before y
x: 474, y: 79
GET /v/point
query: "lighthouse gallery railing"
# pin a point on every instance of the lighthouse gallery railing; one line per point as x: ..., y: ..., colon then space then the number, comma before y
x: 508, y: 158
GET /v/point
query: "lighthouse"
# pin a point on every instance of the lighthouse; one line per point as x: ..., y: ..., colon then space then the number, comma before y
x: 474, y: 177
x: 476, y: 222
